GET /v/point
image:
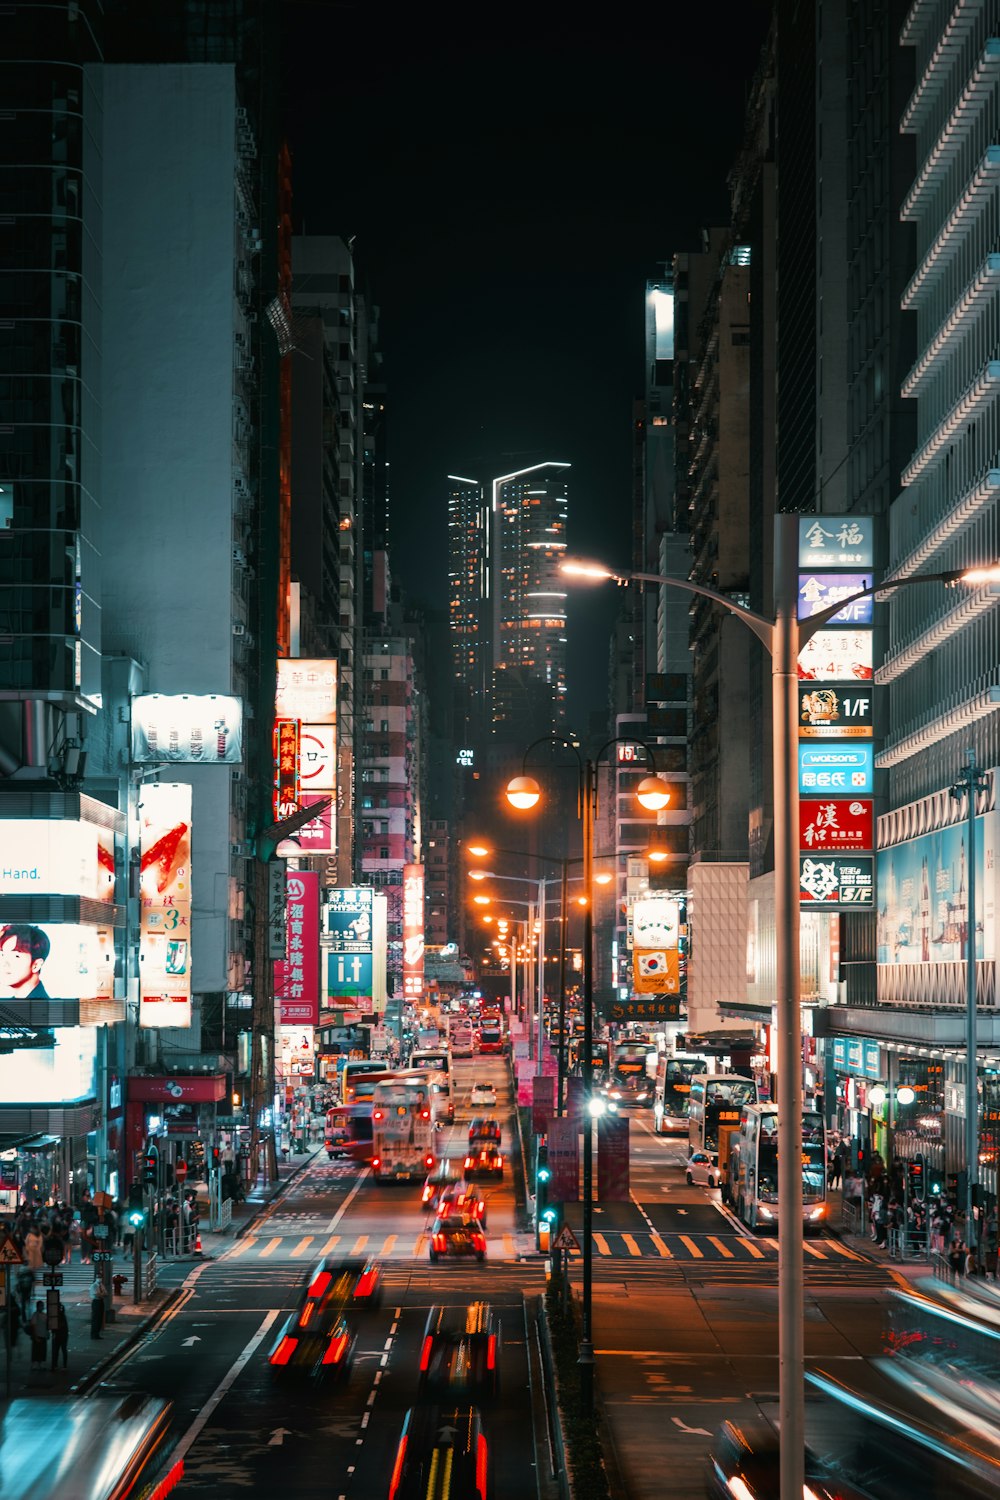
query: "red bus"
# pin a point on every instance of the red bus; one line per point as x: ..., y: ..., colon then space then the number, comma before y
x: 489, y: 1038
x: 349, y: 1131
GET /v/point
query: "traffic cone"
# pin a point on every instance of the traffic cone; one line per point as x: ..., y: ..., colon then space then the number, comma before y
x: 197, y: 1242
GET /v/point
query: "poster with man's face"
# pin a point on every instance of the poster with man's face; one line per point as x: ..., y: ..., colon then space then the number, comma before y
x: 55, y: 961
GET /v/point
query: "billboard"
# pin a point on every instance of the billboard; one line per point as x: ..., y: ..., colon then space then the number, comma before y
x: 836, y: 541
x: 837, y: 824
x: 54, y: 961
x: 348, y: 919
x: 286, y: 768
x: 296, y: 1053
x: 56, y: 857
x: 817, y: 591
x: 656, y: 971
x: 296, y: 976
x: 923, y: 896
x: 165, y: 904
x: 306, y: 689
x: 564, y: 1159
x: 836, y: 768
x: 837, y: 880
x: 306, y: 696
x: 655, y: 922
x: 187, y: 728
x: 612, y: 1159
x: 348, y: 975
x: 413, y: 931
x: 837, y: 656
x: 832, y: 712
x: 61, y: 1074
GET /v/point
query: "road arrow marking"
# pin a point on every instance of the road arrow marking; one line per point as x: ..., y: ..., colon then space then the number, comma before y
x: 194, y: 1339
x: 278, y: 1436
x: 696, y: 1431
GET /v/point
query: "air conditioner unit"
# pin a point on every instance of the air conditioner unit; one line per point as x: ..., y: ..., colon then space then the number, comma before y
x: 239, y: 557
x: 239, y: 628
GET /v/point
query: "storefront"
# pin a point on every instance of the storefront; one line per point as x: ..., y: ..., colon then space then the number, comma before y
x: 179, y: 1112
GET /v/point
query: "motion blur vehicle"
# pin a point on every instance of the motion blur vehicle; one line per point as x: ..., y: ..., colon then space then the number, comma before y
x: 445, y: 1176
x: 105, y: 1446
x: 442, y: 1455
x: 314, y: 1344
x: 744, y: 1461
x: 484, y: 1128
x: 482, y: 1093
x: 463, y: 1198
x: 457, y: 1235
x: 703, y: 1168
x: 338, y: 1282
x: 460, y: 1354
x: 484, y: 1159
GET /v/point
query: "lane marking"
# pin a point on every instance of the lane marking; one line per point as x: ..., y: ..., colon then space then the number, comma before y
x: 808, y: 1245
x: 748, y: 1244
x: 696, y: 1250
x: 344, y: 1206
x: 833, y: 1244
x: 242, y: 1246
x: 602, y: 1244
x: 509, y: 1248
x: 421, y: 1245
x: 633, y: 1248
x: 227, y: 1380
x: 270, y: 1247
x: 661, y: 1247
x: 360, y: 1243
x: 390, y: 1241
x: 300, y: 1248
x: 722, y: 1248
x: 333, y: 1240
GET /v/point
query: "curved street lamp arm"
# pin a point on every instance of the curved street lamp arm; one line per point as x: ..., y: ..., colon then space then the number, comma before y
x: 762, y: 627
x: 809, y: 626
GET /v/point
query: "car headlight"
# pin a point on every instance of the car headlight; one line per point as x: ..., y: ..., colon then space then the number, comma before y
x: 765, y: 1212
x: 641, y: 1097
x: 818, y: 1213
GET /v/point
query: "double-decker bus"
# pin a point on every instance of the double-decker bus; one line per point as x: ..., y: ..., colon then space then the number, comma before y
x: 672, y: 1090
x: 753, y: 1168
x: 402, y: 1129
x: 461, y: 1037
x: 350, y: 1069
x: 436, y: 1061
x: 349, y: 1131
x: 490, y: 1035
x: 629, y: 1077
x: 714, y: 1105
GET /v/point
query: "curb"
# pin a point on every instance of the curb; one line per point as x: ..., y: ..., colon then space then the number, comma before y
x: 94, y: 1374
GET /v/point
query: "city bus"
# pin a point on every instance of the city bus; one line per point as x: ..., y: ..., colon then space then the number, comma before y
x: 672, y: 1091
x: 436, y: 1060
x: 490, y: 1036
x: 402, y: 1130
x: 753, y: 1168
x: 349, y: 1132
x: 106, y: 1446
x: 461, y: 1037
x: 714, y: 1104
x: 629, y: 1078
x: 350, y: 1069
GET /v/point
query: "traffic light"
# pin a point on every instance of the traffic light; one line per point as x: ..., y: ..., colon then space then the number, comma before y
x: 135, y: 1195
x: 916, y: 1184
x: 548, y: 1227
x: 861, y: 1158
x: 136, y: 1217
x: 935, y: 1184
x: 150, y: 1166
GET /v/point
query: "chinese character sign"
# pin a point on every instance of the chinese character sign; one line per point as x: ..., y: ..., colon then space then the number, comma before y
x: 296, y: 976
x: 306, y: 695
x: 836, y: 823
x: 836, y: 541
x: 413, y: 930
x: 286, y: 768
x: 165, y: 905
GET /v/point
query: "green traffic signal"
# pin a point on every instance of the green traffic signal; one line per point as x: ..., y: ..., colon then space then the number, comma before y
x: 550, y: 1215
x: 544, y: 1174
x: 136, y: 1217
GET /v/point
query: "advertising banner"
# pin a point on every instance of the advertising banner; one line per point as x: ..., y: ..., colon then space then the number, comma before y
x: 658, y: 1008
x: 193, y: 729
x: 612, y: 1159
x: 835, y: 713
x: 61, y: 1074
x: 56, y: 857
x: 54, y: 961
x: 306, y: 693
x: 543, y: 1102
x: 656, y: 971
x: 413, y: 931
x: 286, y: 768
x: 837, y: 880
x: 837, y: 656
x: 348, y: 919
x: 306, y: 689
x: 296, y: 1053
x: 296, y: 976
x: 165, y: 904
x: 277, y: 937
x: 348, y: 975
x: 655, y: 922
x: 923, y: 896
x: 836, y: 541
x: 817, y: 591
x: 564, y: 1160
x: 843, y: 823
x: 842, y: 769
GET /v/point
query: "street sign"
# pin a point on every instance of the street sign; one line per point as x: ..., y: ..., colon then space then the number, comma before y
x: 10, y: 1255
x: 100, y: 1255
x: 565, y: 1240
x: 53, y: 1250
x: 54, y: 1278
x: 180, y: 1170
x: 103, y: 1201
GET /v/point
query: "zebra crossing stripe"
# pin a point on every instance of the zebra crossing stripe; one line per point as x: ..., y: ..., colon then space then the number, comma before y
x: 833, y: 1244
x: 602, y: 1244
x: 509, y: 1248
x: 360, y: 1243
x: 661, y: 1247
x: 387, y: 1247
x: 696, y: 1250
x: 300, y: 1248
x: 633, y: 1248
x: 333, y: 1240
x: 754, y: 1250
x: 271, y: 1246
x: 723, y: 1249
x: 808, y: 1245
x: 242, y: 1246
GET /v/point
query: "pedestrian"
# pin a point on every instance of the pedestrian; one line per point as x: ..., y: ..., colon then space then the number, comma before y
x: 96, y: 1306
x: 956, y: 1256
x: 60, y: 1338
x: 25, y: 1291
x: 39, y: 1330
x: 12, y: 1323
x: 836, y: 1168
x: 990, y: 1240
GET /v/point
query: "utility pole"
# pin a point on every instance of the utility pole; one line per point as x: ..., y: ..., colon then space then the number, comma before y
x: 972, y: 781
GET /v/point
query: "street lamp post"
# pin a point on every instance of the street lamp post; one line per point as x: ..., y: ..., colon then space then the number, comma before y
x: 783, y: 637
x: 971, y: 781
x: 523, y: 792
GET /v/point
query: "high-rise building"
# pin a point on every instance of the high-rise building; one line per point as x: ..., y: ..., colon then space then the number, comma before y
x: 529, y: 516
x: 469, y: 607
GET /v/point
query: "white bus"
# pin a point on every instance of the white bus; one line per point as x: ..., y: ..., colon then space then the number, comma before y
x: 402, y: 1130
x: 672, y: 1090
x: 461, y: 1037
x: 714, y: 1106
x: 753, y: 1168
x: 436, y: 1061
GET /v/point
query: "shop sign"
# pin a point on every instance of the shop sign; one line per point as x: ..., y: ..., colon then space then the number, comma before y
x: 296, y: 976
x: 846, y: 823
x: 834, y: 713
x: 836, y: 541
x: 837, y: 656
x: 845, y: 769
x: 817, y: 591
x: 837, y: 880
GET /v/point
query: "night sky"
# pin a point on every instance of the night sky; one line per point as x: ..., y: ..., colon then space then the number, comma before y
x: 512, y: 176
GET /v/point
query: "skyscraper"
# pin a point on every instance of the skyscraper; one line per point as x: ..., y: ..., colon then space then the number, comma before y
x: 468, y: 603
x: 529, y: 510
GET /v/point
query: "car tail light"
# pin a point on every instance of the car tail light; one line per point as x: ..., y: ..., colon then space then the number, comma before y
x: 439, y: 1242
x: 376, y: 1114
x: 366, y: 1283
x: 479, y: 1240
x: 397, y: 1468
x: 320, y: 1283
x: 335, y: 1352
x: 284, y: 1351
x: 429, y: 1161
x: 481, y: 1461
x: 376, y: 1161
x: 427, y: 1195
x: 468, y: 1161
x: 307, y: 1313
x: 425, y: 1354
x: 491, y: 1352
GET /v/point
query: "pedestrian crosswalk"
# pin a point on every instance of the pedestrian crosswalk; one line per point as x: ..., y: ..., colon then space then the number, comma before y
x: 271, y: 1244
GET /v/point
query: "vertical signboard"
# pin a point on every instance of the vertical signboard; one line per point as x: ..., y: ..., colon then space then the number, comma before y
x: 277, y: 938
x: 296, y: 976
x: 564, y: 1161
x: 655, y: 957
x: 413, y: 931
x: 286, y: 768
x: 306, y: 695
x: 543, y: 1102
x: 349, y: 925
x: 612, y: 1159
x: 165, y: 905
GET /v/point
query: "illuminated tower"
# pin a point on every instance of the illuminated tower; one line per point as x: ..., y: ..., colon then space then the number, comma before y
x: 529, y: 600
x: 468, y: 603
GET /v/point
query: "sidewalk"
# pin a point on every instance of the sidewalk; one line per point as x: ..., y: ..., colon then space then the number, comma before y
x: 912, y: 1266
x: 89, y: 1360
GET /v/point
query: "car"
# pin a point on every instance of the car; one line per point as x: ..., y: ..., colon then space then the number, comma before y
x: 485, y: 1157
x: 457, y: 1235
x: 442, y: 1179
x: 744, y: 1459
x: 703, y: 1167
x: 337, y: 1282
x: 484, y: 1128
x: 482, y: 1093
x: 463, y: 1198
x: 442, y: 1452
x: 314, y: 1346
x: 460, y: 1353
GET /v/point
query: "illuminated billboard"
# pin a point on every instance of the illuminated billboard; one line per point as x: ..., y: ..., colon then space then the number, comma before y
x: 836, y: 768
x: 187, y: 728
x: 837, y: 656
x: 836, y: 541
x: 296, y: 976
x: 165, y: 904
x: 56, y: 857
x: 306, y: 698
x: 817, y: 591
x: 833, y: 712
x: 837, y: 880
x: 55, y: 961
x: 923, y: 896
x: 837, y: 824
x: 348, y: 919
x: 413, y: 931
x: 61, y: 1074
